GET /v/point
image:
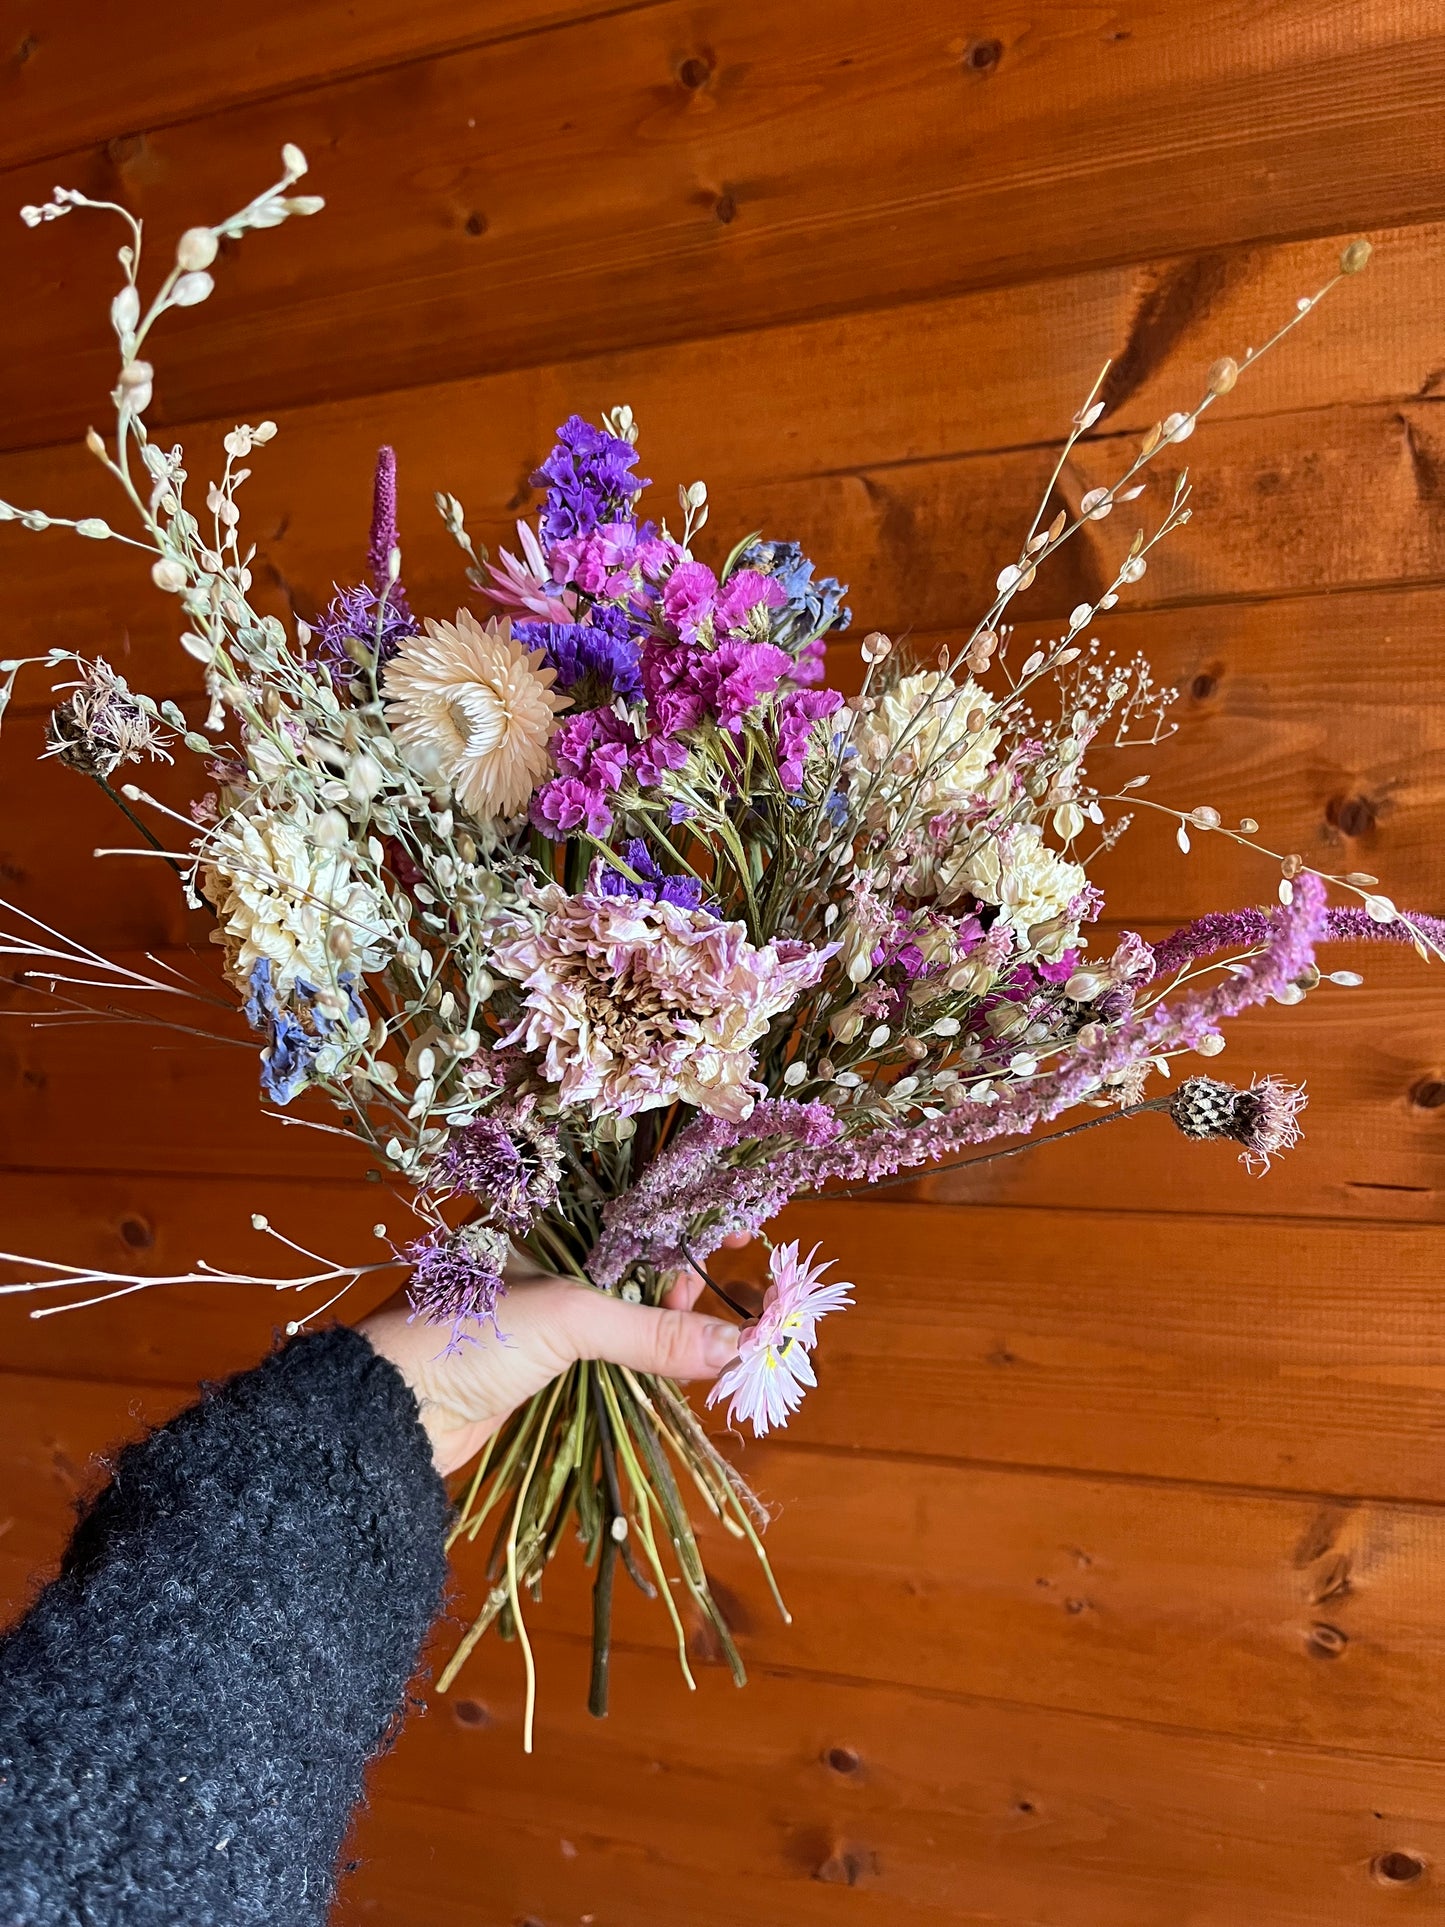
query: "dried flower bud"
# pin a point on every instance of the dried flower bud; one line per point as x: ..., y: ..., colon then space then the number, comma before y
x: 196, y: 249
x: 338, y: 942
x: 875, y: 646
x: 1355, y: 258
x: 1248, y: 826
x: 1222, y: 376
x: 94, y: 443
x: 293, y: 160
x: 1205, y: 817
x: 168, y: 575
x: 1292, y: 865
x: 191, y: 290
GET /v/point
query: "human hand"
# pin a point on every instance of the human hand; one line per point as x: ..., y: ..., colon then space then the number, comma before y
x: 548, y: 1324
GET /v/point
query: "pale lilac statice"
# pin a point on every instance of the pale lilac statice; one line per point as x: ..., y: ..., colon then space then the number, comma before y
x: 630, y: 1005
x: 766, y: 1381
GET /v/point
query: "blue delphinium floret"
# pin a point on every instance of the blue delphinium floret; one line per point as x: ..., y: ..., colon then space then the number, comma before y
x: 595, y: 660
x: 296, y: 1030
x: 650, y: 884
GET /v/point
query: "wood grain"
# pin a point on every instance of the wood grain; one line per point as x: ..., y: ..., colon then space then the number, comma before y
x: 928, y: 1808
x: 688, y: 169
x: 1148, y: 1344
x: 58, y: 81
x: 127, y: 1099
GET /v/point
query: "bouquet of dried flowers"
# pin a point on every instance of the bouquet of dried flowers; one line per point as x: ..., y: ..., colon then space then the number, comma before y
x: 608, y: 927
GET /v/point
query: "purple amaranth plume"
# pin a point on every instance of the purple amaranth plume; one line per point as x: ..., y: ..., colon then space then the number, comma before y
x: 385, y: 539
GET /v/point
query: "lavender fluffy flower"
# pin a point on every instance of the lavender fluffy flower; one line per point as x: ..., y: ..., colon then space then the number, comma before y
x: 689, y: 1182
x: 512, y: 1169
x: 588, y: 481
x: 457, y: 1279
x: 595, y: 660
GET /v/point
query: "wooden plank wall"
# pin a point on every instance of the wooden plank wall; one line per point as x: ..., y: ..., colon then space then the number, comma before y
x: 1115, y: 1533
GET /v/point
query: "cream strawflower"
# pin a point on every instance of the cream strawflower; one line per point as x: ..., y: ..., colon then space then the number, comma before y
x: 473, y: 709
x: 279, y: 894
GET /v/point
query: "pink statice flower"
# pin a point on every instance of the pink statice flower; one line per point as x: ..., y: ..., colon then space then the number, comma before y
x: 688, y: 599
x: 629, y: 1005
x: 772, y: 1370
x: 744, y: 592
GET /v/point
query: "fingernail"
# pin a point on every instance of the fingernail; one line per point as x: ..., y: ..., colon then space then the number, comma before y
x: 720, y: 1343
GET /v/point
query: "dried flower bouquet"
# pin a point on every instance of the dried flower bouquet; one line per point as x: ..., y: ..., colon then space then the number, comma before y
x: 608, y: 928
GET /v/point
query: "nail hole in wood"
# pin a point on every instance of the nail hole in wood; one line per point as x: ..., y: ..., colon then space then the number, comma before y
x: 136, y: 1233
x: 1396, y: 1869
x: 726, y: 209
x: 695, y: 72
x: 475, y: 223
x: 1326, y: 1641
x: 471, y: 1713
x: 1203, y: 687
x: 982, y: 56
x: 842, y: 1759
x: 1429, y: 1094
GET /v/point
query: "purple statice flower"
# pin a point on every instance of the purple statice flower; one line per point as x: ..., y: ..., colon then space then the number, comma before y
x: 620, y: 562
x: 794, y: 718
x: 772, y: 1370
x: 809, y: 608
x: 512, y: 1167
x: 655, y: 885
x: 588, y: 480
x: 591, y: 751
x: 296, y: 1029
x: 457, y: 1279
x: 669, y: 678
x: 595, y: 660
x: 654, y: 756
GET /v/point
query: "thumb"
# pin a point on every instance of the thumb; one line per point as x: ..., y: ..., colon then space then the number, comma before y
x: 647, y: 1338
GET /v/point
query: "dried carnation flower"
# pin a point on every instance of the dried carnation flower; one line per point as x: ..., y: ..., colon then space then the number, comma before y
x: 473, y: 709
x: 633, y: 1004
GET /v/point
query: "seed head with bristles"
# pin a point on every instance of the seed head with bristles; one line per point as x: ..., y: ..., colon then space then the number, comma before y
x: 1263, y: 1119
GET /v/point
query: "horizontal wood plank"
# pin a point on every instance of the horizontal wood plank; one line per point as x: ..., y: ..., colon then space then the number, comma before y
x: 643, y: 178
x: 929, y: 1809
x: 1280, y: 510
x: 1281, y: 1619
x: 58, y: 80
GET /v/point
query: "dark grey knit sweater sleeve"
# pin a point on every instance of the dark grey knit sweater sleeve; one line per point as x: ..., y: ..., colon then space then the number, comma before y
x: 186, y: 1712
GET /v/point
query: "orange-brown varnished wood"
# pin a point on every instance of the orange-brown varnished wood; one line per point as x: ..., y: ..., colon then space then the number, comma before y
x: 1115, y: 1528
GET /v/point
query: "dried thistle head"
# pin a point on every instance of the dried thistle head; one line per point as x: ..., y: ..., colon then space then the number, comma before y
x: 102, y: 724
x: 1263, y: 1119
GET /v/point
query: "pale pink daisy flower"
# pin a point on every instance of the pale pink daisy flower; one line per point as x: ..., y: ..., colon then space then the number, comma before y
x: 471, y: 708
x: 767, y: 1379
x: 526, y: 587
